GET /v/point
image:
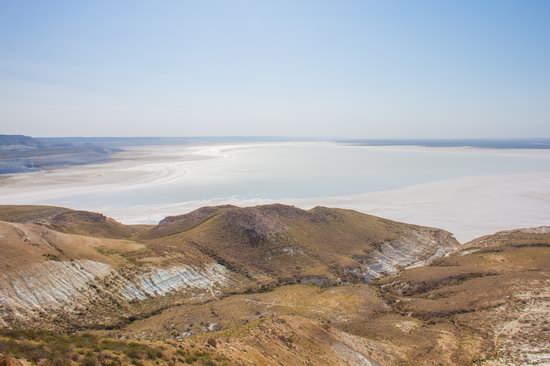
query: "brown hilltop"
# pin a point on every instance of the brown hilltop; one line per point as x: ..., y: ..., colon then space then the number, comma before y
x: 27, y: 213
x: 70, y: 221
x: 285, y: 242
x: 91, y: 224
x: 171, y: 225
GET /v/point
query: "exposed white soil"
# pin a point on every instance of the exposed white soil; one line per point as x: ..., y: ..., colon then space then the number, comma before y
x: 416, y: 248
x: 44, y: 288
x: 522, y: 328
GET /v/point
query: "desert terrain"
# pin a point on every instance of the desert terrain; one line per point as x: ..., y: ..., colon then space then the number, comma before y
x: 267, y: 285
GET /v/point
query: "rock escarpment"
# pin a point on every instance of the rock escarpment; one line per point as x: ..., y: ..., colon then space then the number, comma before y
x: 23, y: 154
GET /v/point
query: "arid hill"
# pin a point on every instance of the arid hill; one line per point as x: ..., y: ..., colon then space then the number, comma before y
x: 322, y: 245
x: 122, y: 271
x: 267, y: 285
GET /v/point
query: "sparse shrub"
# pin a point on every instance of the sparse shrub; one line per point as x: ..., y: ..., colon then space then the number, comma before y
x: 51, y: 257
x: 58, y: 361
x: 212, y: 342
x: 133, y: 353
x: 105, y: 251
x: 89, y: 361
x: 153, y: 354
x: 110, y: 362
x: 65, y: 349
x: 190, y: 359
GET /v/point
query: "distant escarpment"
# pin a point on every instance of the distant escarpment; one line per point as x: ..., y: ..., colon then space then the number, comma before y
x: 22, y: 154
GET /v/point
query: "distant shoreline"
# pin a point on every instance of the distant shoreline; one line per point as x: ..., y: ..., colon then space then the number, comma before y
x: 139, y: 179
x: 27, y: 154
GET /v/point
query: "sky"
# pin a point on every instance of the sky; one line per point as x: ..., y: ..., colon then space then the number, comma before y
x: 357, y: 69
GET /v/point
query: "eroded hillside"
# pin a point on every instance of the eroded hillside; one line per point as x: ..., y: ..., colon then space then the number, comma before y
x: 497, y: 286
x: 54, y: 269
x: 268, y: 285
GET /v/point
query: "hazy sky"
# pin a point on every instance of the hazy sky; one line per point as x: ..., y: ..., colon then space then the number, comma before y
x: 294, y: 68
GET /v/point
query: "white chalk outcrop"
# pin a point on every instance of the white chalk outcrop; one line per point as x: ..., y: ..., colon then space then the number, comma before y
x: 416, y: 248
x: 46, y: 288
x: 160, y: 281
